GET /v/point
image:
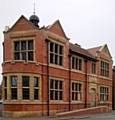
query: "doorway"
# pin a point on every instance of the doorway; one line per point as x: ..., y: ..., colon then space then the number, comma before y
x: 93, y: 97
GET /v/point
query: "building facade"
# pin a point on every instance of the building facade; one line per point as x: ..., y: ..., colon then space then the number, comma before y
x: 43, y: 73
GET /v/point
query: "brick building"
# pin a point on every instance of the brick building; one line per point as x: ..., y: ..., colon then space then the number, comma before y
x: 43, y: 73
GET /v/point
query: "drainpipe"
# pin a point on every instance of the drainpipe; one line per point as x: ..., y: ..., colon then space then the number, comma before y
x: 69, y: 82
x: 85, y: 84
x: 48, y: 107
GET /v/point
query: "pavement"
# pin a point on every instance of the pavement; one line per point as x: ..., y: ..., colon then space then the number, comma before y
x: 103, y: 116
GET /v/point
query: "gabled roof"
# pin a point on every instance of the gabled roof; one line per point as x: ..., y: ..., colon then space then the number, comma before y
x: 103, y: 48
x: 83, y: 52
x: 94, y: 50
x: 57, y: 29
x: 22, y: 24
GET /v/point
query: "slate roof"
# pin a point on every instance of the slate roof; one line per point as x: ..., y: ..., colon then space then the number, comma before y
x: 94, y: 50
x: 83, y: 52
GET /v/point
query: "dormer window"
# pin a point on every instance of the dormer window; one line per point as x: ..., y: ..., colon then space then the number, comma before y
x: 23, y: 50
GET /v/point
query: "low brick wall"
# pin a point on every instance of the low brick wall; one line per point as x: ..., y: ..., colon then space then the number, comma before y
x: 87, y: 111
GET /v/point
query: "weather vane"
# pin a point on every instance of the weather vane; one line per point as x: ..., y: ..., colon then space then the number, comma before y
x: 34, y: 7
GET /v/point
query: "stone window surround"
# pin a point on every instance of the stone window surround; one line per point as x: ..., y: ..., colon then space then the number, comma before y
x: 13, y: 84
x: 104, y: 68
x: 77, y: 82
x: 93, y: 68
x: 23, y: 39
x: 60, y: 44
x: 79, y: 58
x: 19, y: 87
x: 53, y: 78
x: 105, y: 94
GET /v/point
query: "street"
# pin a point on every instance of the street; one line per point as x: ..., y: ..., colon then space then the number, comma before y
x: 104, y: 116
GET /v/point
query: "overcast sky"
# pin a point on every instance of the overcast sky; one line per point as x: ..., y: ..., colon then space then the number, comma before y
x: 89, y: 23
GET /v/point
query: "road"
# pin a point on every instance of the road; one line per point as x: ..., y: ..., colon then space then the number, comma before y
x: 104, y: 116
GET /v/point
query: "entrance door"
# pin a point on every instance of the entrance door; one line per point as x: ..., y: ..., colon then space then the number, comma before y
x: 93, y: 97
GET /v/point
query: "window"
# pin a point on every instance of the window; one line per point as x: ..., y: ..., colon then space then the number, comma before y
x: 104, y: 91
x: 5, y: 87
x: 25, y: 87
x: 36, y: 88
x: 76, y: 91
x: 56, y: 53
x: 56, y: 89
x: 23, y: 50
x: 13, y: 87
x: 104, y: 69
x: 76, y: 63
x: 93, y: 68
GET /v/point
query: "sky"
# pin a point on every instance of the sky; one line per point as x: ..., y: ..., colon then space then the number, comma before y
x: 90, y: 23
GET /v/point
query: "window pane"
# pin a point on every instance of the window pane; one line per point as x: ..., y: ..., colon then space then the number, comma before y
x: 72, y: 86
x: 60, y: 60
x: 80, y: 64
x: 51, y: 94
x: 60, y: 85
x: 51, y: 46
x: 23, y: 56
x: 76, y: 96
x: 79, y: 89
x: 51, y: 84
x: 25, y: 81
x: 56, y: 48
x: 17, y: 56
x: 17, y: 46
x: 5, y: 93
x: 56, y: 59
x: 60, y: 95
x: 76, y: 86
x: 5, y: 81
x: 30, y: 45
x: 56, y: 84
x: 72, y: 95
x: 51, y: 57
x: 13, y: 93
x: 30, y: 56
x: 73, y: 62
x: 36, y: 83
x: 25, y: 93
x: 14, y: 81
x: 56, y: 95
x: 60, y: 50
x: 76, y: 63
x: 36, y: 94
x: 23, y: 45
x: 94, y: 68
